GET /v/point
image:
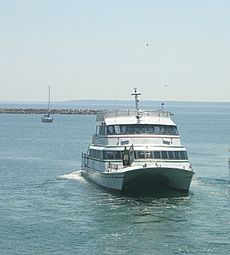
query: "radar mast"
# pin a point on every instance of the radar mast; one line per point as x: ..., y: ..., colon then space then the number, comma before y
x: 136, y: 94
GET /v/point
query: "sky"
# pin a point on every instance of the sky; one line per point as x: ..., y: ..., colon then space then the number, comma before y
x: 173, y: 50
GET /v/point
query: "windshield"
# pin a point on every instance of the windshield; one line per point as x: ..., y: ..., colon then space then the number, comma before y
x: 142, y: 129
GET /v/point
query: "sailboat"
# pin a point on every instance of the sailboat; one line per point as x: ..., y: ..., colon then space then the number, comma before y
x: 47, y: 117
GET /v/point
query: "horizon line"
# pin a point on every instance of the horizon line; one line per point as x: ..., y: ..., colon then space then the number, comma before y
x: 112, y: 100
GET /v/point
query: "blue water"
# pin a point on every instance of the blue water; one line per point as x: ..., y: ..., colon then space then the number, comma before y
x: 46, y: 207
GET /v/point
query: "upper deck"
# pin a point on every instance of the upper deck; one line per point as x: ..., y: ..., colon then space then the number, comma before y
x: 135, y: 116
x: 137, y: 127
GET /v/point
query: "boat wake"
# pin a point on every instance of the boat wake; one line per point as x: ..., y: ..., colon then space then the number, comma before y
x: 76, y: 175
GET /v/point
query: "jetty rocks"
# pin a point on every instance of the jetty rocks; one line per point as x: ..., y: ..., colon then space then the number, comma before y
x: 52, y: 111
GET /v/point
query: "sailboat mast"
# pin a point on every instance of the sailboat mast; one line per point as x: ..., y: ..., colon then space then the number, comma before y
x: 49, y: 100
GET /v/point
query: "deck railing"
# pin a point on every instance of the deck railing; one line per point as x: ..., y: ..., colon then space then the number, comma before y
x: 119, y: 113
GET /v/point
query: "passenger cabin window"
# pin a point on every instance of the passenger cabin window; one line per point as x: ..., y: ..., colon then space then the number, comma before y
x: 173, y: 155
x: 177, y: 154
x: 140, y: 154
x: 110, y: 130
x: 117, y: 155
x: 148, y: 154
x: 164, y: 154
x: 142, y: 129
x: 112, y: 154
x: 102, y: 129
x: 157, y: 154
x: 170, y: 154
x: 183, y: 155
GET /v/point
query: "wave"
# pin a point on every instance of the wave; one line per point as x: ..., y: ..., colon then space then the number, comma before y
x: 76, y: 175
x: 212, y: 180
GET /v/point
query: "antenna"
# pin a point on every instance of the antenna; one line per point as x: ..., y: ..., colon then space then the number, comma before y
x: 163, y: 103
x: 136, y: 94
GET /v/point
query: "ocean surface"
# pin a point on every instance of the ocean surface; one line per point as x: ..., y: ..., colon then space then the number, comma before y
x: 46, y: 207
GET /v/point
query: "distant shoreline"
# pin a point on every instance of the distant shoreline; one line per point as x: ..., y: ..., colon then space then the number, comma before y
x: 43, y: 111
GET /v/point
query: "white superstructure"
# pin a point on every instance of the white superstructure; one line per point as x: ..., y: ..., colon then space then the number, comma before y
x: 137, y: 150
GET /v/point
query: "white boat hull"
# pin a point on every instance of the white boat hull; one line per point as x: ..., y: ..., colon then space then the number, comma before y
x: 47, y: 119
x: 141, y: 178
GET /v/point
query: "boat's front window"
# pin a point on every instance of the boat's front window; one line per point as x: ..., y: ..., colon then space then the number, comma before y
x: 149, y: 154
x: 117, y: 155
x: 102, y: 130
x: 110, y: 129
x: 181, y: 155
x: 156, y: 154
x: 142, y: 129
x: 112, y: 154
x: 170, y: 155
x: 140, y: 154
x: 177, y: 154
x: 164, y: 154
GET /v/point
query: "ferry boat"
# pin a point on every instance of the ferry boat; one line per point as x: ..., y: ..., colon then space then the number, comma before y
x: 137, y: 151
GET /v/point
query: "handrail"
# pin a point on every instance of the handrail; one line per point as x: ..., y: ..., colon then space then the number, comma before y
x: 118, y: 113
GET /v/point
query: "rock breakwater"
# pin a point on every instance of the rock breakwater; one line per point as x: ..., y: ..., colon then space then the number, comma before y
x: 52, y: 111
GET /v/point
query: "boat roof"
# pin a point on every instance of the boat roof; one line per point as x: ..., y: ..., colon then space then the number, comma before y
x: 119, y: 117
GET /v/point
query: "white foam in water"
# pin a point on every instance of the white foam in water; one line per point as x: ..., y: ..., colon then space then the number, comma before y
x: 76, y: 175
